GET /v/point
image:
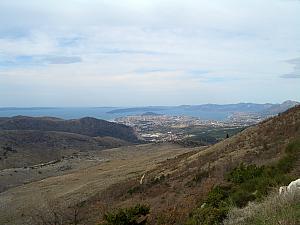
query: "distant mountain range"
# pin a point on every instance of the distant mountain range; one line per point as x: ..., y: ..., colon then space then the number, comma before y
x: 212, y: 111
x: 205, y: 111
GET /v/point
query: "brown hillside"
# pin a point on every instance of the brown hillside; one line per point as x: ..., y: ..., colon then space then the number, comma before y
x: 86, y: 126
x: 20, y: 148
x: 175, y: 187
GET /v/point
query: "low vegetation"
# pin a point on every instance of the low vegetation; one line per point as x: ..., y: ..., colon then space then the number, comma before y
x: 211, y: 135
x: 274, y: 210
x: 136, y: 215
x: 153, y: 181
x: 246, y: 183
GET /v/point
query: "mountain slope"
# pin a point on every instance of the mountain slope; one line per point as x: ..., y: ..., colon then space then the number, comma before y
x: 25, y: 141
x: 279, y: 108
x: 23, y: 148
x: 86, y: 126
x: 175, y: 188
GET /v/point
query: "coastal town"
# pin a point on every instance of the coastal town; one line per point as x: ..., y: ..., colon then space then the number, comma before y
x: 154, y: 127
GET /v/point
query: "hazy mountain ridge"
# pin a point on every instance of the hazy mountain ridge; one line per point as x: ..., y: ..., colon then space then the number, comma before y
x: 262, y: 109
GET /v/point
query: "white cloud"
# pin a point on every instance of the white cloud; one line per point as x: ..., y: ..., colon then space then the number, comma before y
x: 101, y: 48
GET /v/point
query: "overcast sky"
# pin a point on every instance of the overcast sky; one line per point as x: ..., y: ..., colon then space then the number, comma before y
x: 148, y: 52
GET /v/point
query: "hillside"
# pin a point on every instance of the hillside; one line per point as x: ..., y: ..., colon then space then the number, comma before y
x: 175, y: 188
x: 85, y: 126
x: 26, y: 141
x: 176, y: 182
x: 29, y: 194
x: 23, y: 148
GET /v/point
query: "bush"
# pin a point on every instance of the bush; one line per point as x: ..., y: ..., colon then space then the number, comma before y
x: 135, y: 189
x: 241, y: 197
x: 129, y: 216
x: 292, y: 154
x: 244, y: 173
x: 217, y: 196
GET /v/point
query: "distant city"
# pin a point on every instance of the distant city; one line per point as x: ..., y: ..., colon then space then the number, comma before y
x: 205, y: 124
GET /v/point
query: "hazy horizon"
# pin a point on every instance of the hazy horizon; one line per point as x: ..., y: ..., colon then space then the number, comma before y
x: 148, y: 52
x: 138, y: 106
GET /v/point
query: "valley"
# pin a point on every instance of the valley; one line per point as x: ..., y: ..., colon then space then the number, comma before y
x: 149, y: 112
x: 49, y: 169
x: 185, y: 129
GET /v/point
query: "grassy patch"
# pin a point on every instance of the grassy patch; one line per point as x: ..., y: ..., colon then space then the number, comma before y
x: 274, y: 210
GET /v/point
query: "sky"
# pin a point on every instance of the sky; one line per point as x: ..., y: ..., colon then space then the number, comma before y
x: 148, y: 52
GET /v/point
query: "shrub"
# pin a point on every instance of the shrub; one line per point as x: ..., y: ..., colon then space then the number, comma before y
x: 244, y: 173
x: 292, y: 154
x: 200, y: 176
x: 241, y: 197
x: 217, y: 196
x: 129, y: 216
x: 135, y: 189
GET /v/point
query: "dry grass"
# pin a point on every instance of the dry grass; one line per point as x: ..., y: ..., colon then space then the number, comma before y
x: 171, y: 199
x: 121, y: 164
x: 274, y: 210
x: 263, y: 144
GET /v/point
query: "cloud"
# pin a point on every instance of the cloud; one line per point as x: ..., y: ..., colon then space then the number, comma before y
x: 295, y: 74
x: 291, y: 76
x: 147, y: 51
x: 61, y: 59
x: 37, y: 60
x: 153, y: 70
x: 198, y: 72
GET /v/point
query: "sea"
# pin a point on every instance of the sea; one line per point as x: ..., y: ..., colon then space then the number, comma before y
x: 102, y: 112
